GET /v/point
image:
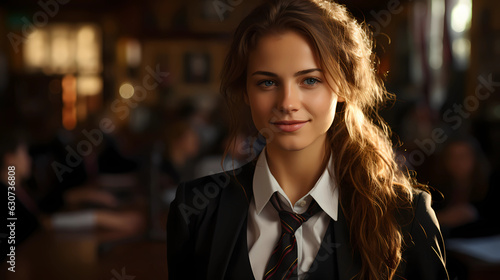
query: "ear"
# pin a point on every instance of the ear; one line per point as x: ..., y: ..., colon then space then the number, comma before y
x: 340, y: 99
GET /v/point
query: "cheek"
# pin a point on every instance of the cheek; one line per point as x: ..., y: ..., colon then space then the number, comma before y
x: 261, y: 108
x: 259, y: 117
x: 324, y: 107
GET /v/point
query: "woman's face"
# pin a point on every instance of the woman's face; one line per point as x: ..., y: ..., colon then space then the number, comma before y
x: 290, y: 101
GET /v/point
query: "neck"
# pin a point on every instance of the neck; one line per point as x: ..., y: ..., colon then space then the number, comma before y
x: 297, y: 171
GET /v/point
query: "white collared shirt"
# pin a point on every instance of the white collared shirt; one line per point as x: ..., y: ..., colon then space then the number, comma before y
x: 263, y: 227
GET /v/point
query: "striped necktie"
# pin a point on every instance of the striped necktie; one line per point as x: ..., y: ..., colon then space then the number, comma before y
x: 283, y: 261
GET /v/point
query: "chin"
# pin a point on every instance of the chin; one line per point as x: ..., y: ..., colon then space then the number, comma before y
x: 289, y: 144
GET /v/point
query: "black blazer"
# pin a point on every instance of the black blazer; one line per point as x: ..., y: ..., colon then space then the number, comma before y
x: 207, y: 223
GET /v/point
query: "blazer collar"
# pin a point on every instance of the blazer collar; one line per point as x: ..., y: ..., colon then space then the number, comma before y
x: 235, y: 196
x: 349, y: 262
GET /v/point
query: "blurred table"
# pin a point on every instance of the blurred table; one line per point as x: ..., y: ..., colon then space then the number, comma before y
x: 87, y: 256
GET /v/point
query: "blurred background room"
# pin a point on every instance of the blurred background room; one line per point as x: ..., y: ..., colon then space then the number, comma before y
x: 106, y: 106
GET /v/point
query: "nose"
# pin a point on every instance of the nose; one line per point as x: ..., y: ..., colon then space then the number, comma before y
x: 289, y: 99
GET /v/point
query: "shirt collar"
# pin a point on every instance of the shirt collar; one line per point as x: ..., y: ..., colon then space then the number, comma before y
x: 325, y: 191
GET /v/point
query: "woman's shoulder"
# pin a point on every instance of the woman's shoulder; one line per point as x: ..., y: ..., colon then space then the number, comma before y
x: 416, y: 209
x: 418, y: 215
x: 211, y: 186
x: 423, y: 242
x: 420, y: 194
x: 199, y: 199
x: 422, y: 200
x: 412, y: 197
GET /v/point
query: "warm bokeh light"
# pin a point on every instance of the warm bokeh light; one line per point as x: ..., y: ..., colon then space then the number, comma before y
x: 436, y: 34
x: 461, y: 47
x: 69, y: 102
x: 126, y: 90
x: 459, y: 25
x: 89, y: 85
x: 73, y: 50
x: 62, y: 50
x: 461, y: 16
x: 88, y: 55
x: 36, y: 49
x: 133, y: 53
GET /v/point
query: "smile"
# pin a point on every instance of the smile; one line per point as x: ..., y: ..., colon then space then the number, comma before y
x: 289, y: 126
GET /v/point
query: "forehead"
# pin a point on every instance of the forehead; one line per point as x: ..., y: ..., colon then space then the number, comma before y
x: 287, y: 51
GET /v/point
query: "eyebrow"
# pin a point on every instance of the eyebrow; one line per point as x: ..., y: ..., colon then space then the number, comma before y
x: 300, y: 73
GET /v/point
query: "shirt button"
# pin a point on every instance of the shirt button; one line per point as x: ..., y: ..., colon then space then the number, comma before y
x: 302, y: 203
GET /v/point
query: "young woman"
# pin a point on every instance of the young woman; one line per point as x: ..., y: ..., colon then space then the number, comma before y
x: 325, y: 198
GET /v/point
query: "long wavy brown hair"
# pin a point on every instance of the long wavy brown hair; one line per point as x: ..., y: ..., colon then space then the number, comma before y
x: 372, y: 186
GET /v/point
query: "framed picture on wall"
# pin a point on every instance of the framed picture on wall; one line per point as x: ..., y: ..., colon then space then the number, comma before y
x: 193, y: 66
x: 197, y: 68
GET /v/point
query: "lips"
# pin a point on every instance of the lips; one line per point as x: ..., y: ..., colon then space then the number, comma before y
x: 289, y: 126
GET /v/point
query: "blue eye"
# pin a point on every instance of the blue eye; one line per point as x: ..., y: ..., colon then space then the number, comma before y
x: 267, y: 83
x: 311, y: 81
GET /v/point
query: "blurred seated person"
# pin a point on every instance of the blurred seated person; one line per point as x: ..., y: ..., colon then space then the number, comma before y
x: 14, y: 157
x: 59, y: 167
x: 182, y: 144
x: 462, y: 177
x: 14, y: 152
x: 80, y: 194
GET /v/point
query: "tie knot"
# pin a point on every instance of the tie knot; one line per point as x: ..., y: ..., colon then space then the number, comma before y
x: 290, y: 222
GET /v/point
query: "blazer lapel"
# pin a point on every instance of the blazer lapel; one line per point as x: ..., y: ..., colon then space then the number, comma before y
x: 348, y: 262
x: 236, y: 196
x: 231, y: 218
